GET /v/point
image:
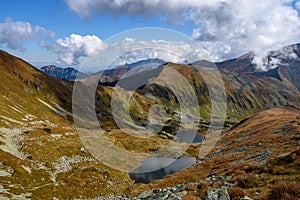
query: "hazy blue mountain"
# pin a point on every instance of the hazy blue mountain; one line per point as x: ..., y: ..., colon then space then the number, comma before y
x: 68, y: 73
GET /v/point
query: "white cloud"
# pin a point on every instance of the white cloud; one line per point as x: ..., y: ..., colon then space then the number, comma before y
x: 14, y: 33
x: 258, y: 26
x: 227, y: 28
x: 281, y: 56
x: 85, y: 8
x: 171, y: 51
x: 72, y: 48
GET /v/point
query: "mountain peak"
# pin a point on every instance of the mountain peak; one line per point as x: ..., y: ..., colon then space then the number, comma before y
x: 151, y: 62
x: 67, y: 73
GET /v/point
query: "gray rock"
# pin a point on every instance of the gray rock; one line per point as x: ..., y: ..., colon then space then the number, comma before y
x: 171, y: 193
x: 245, y: 198
x: 145, y: 194
x: 296, y: 138
x: 217, y: 194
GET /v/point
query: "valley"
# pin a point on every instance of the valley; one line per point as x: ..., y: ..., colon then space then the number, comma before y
x: 45, y: 156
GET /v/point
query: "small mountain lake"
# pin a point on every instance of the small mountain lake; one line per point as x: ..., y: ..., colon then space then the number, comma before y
x: 189, y: 136
x: 154, y: 168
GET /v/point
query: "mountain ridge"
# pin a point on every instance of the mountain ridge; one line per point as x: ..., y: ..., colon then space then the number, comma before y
x: 67, y: 73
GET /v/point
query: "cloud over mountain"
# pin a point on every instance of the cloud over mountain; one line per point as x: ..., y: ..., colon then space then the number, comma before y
x: 71, y: 48
x: 226, y: 28
x: 173, y: 51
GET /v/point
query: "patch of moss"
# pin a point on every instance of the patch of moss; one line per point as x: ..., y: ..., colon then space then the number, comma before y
x: 48, y: 130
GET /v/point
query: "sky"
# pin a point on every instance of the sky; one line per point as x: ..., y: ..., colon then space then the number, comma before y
x: 69, y: 32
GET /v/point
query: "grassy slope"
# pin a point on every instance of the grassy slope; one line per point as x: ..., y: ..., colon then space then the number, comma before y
x: 45, y: 140
x: 246, y: 95
x: 21, y: 85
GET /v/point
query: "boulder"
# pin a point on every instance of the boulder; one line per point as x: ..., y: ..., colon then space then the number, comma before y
x: 145, y: 194
x: 217, y: 194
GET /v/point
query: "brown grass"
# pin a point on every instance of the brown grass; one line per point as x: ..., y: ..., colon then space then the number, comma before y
x: 247, y: 181
x: 236, y: 193
x: 284, y: 191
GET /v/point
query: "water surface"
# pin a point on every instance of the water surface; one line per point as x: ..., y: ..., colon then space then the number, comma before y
x: 154, y: 168
x: 189, y: 136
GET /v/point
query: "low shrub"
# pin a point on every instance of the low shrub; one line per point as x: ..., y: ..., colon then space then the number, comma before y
x: 48, y: 130
x: 247, y: 181
x: 236, y: 193
x: 284, y: 191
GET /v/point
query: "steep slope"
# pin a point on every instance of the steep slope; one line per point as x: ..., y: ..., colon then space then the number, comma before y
x: 42, y: 156
x: 241, y: 64
x: 280, y: 125
x: 68, y: 73
x: 248, y: 90
x: 282, y: 64
x: 246, y: 94
x: 26, y: 91
x: 290, y: 74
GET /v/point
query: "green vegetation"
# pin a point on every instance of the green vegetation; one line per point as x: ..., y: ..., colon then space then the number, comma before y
x: 48, y: 130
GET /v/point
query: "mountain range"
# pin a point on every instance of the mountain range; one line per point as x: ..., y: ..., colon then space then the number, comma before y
x: 68, y: 73
x: 42, y: 156
x: 282, y: 62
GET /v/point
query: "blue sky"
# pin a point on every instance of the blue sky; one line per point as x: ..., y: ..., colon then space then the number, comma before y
x: 224, y: 29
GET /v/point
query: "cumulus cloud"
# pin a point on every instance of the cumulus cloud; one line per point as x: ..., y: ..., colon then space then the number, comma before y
x: 14, y: 33
x: 127, y: 50
x: 257, y: 26
x: 85, y: 8
x: 72, y: 48
x: 227, y: 28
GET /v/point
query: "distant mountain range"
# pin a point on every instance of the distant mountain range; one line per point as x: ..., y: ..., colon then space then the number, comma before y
x: 275, y: 60
x: 152, y: 62
x: 68, y: 73
x: 250, y: 90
